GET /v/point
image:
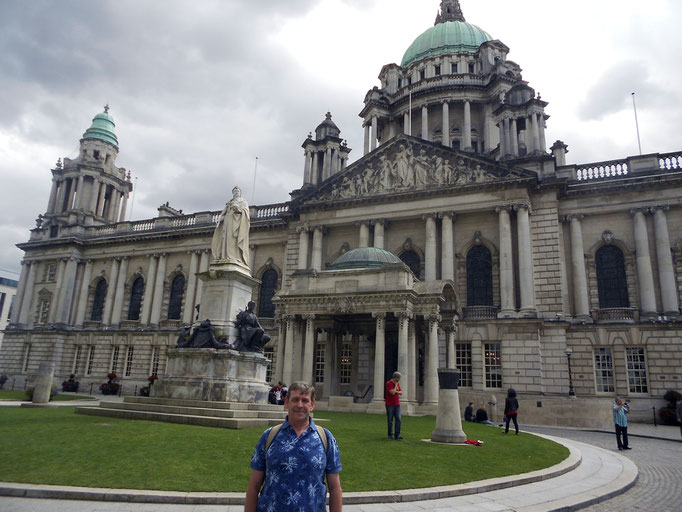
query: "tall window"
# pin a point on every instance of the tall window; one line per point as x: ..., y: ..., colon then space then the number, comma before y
x: 98, y: 301
x: 2, y: 303
x: 603, y: 370
x: 636, y: 360
x: 412, y: 260
x: 346, y: 363
x: 27, y: 357
x: 154, y: 362
x: 320, y: 356
x: 493, y: 365
x: 129, y: 362
x: 479, y: 277
x: 113, y: 366
x: 463, y: 363
x: 43, y: 310
x: 77, y: 358
x: 268, y: 286
x: 91, y: 360
x: 136, y: 292
x: 611, y: 279
x: 175, y: 301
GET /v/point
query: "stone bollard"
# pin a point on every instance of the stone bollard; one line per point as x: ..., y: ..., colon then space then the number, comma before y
x: 448, y: 419
x: 43, y: 387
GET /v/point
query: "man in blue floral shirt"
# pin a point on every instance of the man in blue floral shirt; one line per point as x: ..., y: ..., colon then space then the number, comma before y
x: 292, y: 470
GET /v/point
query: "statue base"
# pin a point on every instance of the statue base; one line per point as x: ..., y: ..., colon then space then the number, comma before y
x: 213, y: 375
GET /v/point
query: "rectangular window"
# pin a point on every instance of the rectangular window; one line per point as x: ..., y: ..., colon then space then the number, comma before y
x: 437, y: 70
x: 129, y: 362
x: 320, y: 356
x: 603, y: 370
x: 463, y: 363
x: 2, y: 303
x: 471, y: 69
x: 27, y: 357
x: 77, y: 359
x: 422, y: 75
x: 113, y: 366
x: 154, y: 363
x: 270, y: 354
x: 400, y: 83
x: 91, y: 359
x: 493, y: 365
x: 346, y: 363
x: 636, y: 360
x: 454, y: 67
x: 51, y: 273
x: 43, y: 311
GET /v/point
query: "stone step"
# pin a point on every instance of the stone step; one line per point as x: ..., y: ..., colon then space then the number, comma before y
x: 279, y: 414
x: 204, y: 404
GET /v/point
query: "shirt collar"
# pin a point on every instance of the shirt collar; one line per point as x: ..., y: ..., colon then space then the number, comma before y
x: 287, y: 425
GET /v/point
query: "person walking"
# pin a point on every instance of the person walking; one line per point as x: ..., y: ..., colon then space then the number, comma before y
x: 620, y: 411
x: 392, y: 398
x: 291, y: 461
x: 511, y: 409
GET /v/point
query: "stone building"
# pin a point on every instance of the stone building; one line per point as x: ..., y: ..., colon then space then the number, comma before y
x: 8, y: 290
x: 457, y: 239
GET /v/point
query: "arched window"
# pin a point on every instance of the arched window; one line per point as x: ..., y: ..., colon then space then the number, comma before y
x: 412, y: 260
x: 175, y: 302
x: 479, y: 276
x: 611, y: 279
x: 136, y: 299
x: 268, y: 286
x: 98, y: 300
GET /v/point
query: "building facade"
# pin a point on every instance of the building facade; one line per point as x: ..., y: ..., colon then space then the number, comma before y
x: 8, y: 290
x: 458, y: 239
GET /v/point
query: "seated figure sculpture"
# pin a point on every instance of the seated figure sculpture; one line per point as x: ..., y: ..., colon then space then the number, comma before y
x: 202, y: 337
x: 251, y: 336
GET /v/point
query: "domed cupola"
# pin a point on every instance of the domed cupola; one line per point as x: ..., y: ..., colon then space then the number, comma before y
x: 364, y: 257
x: 102, y: 128
x: 327, y: 128
x: 325, y: 155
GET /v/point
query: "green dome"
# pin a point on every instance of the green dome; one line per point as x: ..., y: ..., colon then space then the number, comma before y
x: 365, y: 257
x: 447, y: 37
x: 102, y: 128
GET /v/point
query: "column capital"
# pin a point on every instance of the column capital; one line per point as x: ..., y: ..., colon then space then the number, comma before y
x: 322, y: 228
x: 641, y: 209
x: 434, y: 317
x: 379, y: 315
x: 429, y: 216
x: 308, y: 317
x: 253, y: 246
x: 503, y: 207
x: 442, y: 215
x: 527, y: 206
x: 383, y: 222
x: 288, y: 318
x: 302, y: 228
x: 664, y: 207
x: 404, y: 315
x: 363, y: 223
x: 571, y: 216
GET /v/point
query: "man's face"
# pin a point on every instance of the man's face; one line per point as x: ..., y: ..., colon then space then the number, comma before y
x: 298, y: 405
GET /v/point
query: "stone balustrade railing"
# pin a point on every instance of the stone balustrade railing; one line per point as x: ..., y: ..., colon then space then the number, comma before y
x: 670, y: 160
x: 602, y: 170
x: 479, y: 312
x: 439, y: 81
x: 614, y: 315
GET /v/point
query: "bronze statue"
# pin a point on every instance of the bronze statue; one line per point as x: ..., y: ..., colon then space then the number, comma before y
x: 202, y: 337
x: 251, y: 336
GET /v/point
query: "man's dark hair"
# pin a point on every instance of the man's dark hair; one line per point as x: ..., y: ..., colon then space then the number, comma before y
x: 303, y: 387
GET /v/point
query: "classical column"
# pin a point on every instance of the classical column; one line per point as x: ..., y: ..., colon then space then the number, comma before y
x: 406, y: 123
x: 503, y: 150
x: 431, y: 370
x: 541, y: 126
x: 149, y: 289
x: 430, y: 248
x: 526, y: 283
x: 379, y: 356
x: 111, y: 291
x: 379, y: 234
x: 281, y: 331
x: 446, y: 124
x: 94, y: 194
x: 19, y: 295
x: 309, y: 348
x: 307, y: 178
x: 203, y: 267
x: 80, y: 200
x: 120, y: 291
x: 327, y: 164
x: 100, y: 199
x: 451, y: 333
x: 159, y: 283
x: 403, y: 360
x: 581, y: 307
x: 83, y: 296
x: 412, y: 357
x: 122, y: 217
x: 645, y: 276
x: 53, y: 196
x: 25, y: 306
x: 314, y: 177
x: 188, y: 309
x: 72, y: 193
x: 367, y: 136
x: 288, y: 363
x: 303, y: 243
x: 316, y: 260
x: 514, y: 138
x: 447, y: 258
x: 67, y: 290
x: 61, y: 190
x: 506, y: 264
x: 364, y: 234
x: 375, y: 133
x: 466, y: 133
x: 536, y: 132
x: 425, y: 122
x: 507, y: 137
x: 666, y: 272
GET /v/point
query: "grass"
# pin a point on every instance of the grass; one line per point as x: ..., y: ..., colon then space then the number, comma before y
x: 56, y: 446
x: 6, y: 394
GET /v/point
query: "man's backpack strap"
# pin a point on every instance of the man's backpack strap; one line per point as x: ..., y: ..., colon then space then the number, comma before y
x: 323, y: 437
x: 274, y: 430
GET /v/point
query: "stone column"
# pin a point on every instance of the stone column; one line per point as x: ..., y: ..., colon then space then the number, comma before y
x: 451, y: 333
x: 79, y: 203
x: 53, y: 196
x: 541, y: 126
x: 503, y: 150
x: 72, y: 193
x: 506, y: 264
x: 307, y: 176
x: 327, y: 164
x: 120, y: 291
x: 406, y: 123
x: 447, y: 270
x: 149, y: 290
x: 94, y: 194
x: 364, y: 234
x: 281, y: 330
x: 466, y: 133
x: 666, y: 272
x: 367, y: 136
x: 580, y: 300
x: 507, y: 137
x: 303, y: 242
x: 83, y: 296
x: 61, y: 189
x: 379, y: 356
x: 122, y: 217
x: 314, y: 170
x: 188, y: 309
x: 536, y: 132
x: 379, y: 234
x: 111, y: 291
x: 425, y: 122
x: 288, y: 363
x: 526, y: 281
x: 375, y: 133
x: 446, y: 124
x: 412, y: 362
x: 431, y: 369
x: 448, y: 419
x: 430, y: 248
x: 645, y: 276
x: 66, y: 292
x: 19, y: 295
x: 514, y: 138
x: 100, y: 199
x: 316, y: 262
x: 25, y: 306
x: 403, y: 359
x: 309, y: 349
x: 43, y: 386
x: 159, y: 283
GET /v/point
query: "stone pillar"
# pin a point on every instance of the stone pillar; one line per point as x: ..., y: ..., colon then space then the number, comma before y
x: 645, y: 276
x: 581, y: 307
x: 25, y: 306
x: 72, y: 193
x: 379, y: 356
x: 406, y: 123
x: 100, y: 199
x: 83, y: 296
x: 80, y: 200
x: 448, y: 420
x: 120, y: 292
x: 367, y: 136
x: 543, y: 139
x: 446, y: 124
x: 316, y: 262
x: 19, y: 295
x: 53, y: 196
x: 379, y: 226
x: 122, y: 217
x: 314, y: 170
x: 54, y: 303
x: 111, y: 291
x: 66, y: 291
x: 188, y: 309
x: 364, y: 234
x: 281, y: 330
x: 288, y: 363
x: 451, y: 333
x: 535, y: 132
x: 327, y: 164
x: 203, y: 267
x: 503, y: 150
x: 430, y: 249
x: 447, y: 270
x: 403, y: 358
x: 149, y: 290
x: 61, y: 189
x: 506, y: 264
x: 526, y: 282
x: 466, y: 132
x: 159, y: 283
x: 412, y: 362
x: 425, y: 122
x: 307, y: 175
x: 514, y: 138
x: 375, y: 133
x: 94, y: 194
x: 309, y: 349
x: 43, y: 387
x: 431, y: 369
x: 507, y: 137
x: 666, y: 272
x: 303, y: 242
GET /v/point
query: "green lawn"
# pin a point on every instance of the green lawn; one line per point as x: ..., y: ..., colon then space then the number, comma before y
x: 6, y: 394
x: 56, y: 446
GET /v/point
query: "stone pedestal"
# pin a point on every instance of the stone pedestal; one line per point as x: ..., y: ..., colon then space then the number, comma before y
x: 448, y: 419
x: 214, y: 375
x: 43, y: 387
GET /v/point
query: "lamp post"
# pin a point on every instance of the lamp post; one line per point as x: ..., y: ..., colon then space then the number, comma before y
x: 571, y: 391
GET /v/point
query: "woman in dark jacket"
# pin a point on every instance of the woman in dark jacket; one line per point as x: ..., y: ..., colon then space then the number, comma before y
x: 511, y: 408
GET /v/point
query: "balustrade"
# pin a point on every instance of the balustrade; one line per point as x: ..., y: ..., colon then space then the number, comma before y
x: 670, y: 161
x: 601, y: 170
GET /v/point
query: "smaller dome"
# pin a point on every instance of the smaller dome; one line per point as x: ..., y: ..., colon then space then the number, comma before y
x: 327, y: 128
x: 364, y: 257
x: 102, y: 128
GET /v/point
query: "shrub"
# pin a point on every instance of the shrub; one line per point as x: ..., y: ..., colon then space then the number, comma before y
x: 672, y: 397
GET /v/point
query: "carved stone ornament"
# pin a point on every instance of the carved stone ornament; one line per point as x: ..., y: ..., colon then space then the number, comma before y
x: 608, y: 236
x: 343, y: 305
x: 477, y: 238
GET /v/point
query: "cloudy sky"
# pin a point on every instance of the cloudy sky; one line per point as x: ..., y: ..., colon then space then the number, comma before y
x: 199, y: 89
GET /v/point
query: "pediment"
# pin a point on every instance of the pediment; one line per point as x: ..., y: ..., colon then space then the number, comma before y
x: 408, y: 165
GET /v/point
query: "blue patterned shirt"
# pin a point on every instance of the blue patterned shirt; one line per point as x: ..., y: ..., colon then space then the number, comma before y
x: 295, y: 469
x: 619, y: 416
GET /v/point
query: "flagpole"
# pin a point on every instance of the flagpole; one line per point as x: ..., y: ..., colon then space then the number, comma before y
x: 409, y: 128
x: 253, y: 190
x: 634, y: 106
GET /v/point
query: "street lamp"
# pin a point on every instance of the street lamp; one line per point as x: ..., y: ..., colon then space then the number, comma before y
x: 571, y: 391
